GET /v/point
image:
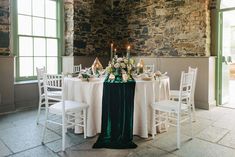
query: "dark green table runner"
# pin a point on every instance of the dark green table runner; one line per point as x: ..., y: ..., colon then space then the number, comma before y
x: 117, y: 116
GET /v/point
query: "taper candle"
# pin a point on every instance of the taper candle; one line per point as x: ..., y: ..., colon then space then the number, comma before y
x: 115, y: 52
x: 111, y: 55
x: 128, y: 51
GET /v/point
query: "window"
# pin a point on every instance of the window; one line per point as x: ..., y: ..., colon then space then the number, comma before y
x: 227, y: 4
x: 38, y: 38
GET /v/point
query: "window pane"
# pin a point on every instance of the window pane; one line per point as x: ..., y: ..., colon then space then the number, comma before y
x: 51, y: 9
x: 227, y: 4
x: 38, y: 26
x: 52, y: 47
x: 52, y: 65
x: 25, y: 46
x: 51, y: 28
x: 26, y: 66
x: 39, y: 62
x: 39, y: 47
x: 38, y: 8
x: 24, y: 25
x: 24, y: 7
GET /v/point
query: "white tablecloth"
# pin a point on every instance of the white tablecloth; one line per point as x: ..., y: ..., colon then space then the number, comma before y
x: 91, y: 93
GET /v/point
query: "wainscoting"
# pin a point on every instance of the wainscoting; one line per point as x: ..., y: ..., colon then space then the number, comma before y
x: 205, y: 86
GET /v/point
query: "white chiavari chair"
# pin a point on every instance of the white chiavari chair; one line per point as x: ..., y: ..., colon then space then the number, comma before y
x: 77, y: 68
x: 174, y: 94
x: 174, y: 112
x: 53, y: 94
x: 64, y: 108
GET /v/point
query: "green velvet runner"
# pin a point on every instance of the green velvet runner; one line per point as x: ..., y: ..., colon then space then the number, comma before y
x: 117, y: 115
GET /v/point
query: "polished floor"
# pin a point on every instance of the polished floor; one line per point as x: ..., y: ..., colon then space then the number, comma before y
x: 214, y: 133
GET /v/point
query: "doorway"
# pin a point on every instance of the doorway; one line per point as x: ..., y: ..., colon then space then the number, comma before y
x: 227, y: 56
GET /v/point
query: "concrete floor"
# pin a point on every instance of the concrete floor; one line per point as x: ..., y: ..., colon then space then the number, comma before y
x: 214, y: 133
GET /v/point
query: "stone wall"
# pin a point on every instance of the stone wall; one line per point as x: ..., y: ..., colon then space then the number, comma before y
x: 4, y: 27
x: 162, y: 27
x: 69, y: 26
x: 92, y: 27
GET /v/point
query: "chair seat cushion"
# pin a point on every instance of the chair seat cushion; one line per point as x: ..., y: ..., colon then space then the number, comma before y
x: 169, y: 106
x: 70, y: 106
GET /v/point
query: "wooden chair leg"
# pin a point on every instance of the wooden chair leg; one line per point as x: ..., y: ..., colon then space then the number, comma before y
x: 39, y: 109
x: 85, y: 122
x: 190, y: 123
x: 194, y: 112
x: 45, y: 127
x: 178, y: 131
x: 63, y: 132
x: 153, y: 124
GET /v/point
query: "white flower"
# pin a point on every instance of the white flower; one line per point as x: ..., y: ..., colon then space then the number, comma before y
x: 158, y: 73
x: 129, y: 67
x: 117, y: 65
x: 119, y: 60
x: 124, y: 77
x: 123, y: 71
x: 123, y: 65
x: 125, y: 60
x: 111, y: 77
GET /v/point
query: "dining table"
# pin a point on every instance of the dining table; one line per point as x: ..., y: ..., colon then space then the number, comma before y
x: 91, y: 92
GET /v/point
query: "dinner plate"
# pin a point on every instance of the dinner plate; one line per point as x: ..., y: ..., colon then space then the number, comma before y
x: 146, y: 78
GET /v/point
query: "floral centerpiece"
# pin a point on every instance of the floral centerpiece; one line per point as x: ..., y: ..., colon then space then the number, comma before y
x: 120, y: 69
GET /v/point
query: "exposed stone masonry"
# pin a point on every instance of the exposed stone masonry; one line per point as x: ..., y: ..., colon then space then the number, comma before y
x: 92, y: 27
x: 69, y: 26
x: 4, y: 26
x: 160, y: 27
x: 151, y: 27
x: 163, y: 27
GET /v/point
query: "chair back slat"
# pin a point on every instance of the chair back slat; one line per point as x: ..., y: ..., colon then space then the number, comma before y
x: 53, y: 82
x: 186, y: 87
x: 40, y: 73
x: 194, y: 71
x: 77, y: 68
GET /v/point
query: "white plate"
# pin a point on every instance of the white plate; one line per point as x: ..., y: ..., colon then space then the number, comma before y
x: 147, y: 78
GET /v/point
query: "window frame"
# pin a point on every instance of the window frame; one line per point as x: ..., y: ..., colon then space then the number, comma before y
x: 15, y: 38
x: 219, y: 30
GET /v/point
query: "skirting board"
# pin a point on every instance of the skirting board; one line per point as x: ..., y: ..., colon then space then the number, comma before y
x: 205, y: 105
x: 6, y: 108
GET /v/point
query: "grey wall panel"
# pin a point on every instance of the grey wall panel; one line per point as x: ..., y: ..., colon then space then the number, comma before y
x: 6, y: 84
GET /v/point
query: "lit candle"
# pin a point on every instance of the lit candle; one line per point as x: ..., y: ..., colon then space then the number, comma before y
x: 140, y: 67
x: 111, y: 56
x: 115, y: 52
x: 128, y: 51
